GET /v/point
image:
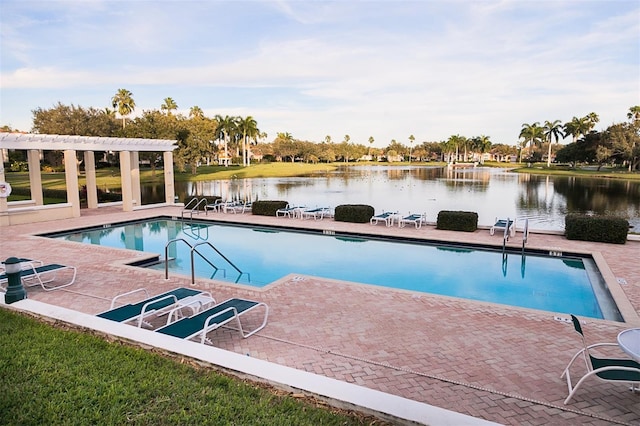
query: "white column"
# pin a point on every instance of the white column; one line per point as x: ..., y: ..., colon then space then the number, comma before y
x: 90, y: 175
x: 71, y: 176
x: 35, y: 177
x: 125, y: 181
x: 169, y: 185
x: 135, y: 178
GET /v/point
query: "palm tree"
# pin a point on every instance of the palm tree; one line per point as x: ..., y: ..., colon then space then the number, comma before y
x: 226, y: 126
x: 591, y: 119
x: 249, y: 129
x: 634, y: 113
x: 370, y: 144
x: 411, y: 140
x: 552, y: 130
x: 196, y: 112
x: 169, y: 105
x: 531, y: 133
x: 123, y: 101
x: 482, y: 144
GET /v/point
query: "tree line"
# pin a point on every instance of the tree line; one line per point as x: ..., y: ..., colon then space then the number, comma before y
x: 225, y: 139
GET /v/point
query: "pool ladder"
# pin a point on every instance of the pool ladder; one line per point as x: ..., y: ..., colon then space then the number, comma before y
x: 193, y: 252
x: 193, y: 205
x: 525, y: 238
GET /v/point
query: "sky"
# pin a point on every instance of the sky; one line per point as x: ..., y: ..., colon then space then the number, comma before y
x: 381, y: 69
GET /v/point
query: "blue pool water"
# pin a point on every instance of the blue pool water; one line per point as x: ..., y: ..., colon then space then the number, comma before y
x: 557, y: 284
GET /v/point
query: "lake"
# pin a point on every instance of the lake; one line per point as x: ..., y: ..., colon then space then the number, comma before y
x: 491, y: 192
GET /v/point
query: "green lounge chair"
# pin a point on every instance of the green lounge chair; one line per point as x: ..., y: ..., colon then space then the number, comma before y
x: 386, y: 217
x: 149, y: 306
x: 415, y: 219
x: 625, y: 371
x: 213, y: 318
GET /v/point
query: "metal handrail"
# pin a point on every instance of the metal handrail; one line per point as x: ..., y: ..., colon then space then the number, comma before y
x: 194, y: 208
x: 505, y: 237
x: 195, y: 249
x: 166, y: 259
x: 525, y: 234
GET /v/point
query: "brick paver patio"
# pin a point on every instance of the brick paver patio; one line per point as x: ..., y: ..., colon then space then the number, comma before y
x: 486, y: 360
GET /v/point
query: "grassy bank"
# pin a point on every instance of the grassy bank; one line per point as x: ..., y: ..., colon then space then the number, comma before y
x: 582, y: 172
x: 56, y: 376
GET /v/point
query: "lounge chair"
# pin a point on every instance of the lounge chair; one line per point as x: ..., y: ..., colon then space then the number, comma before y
x: 415, y: 219
x: 624, y: 371
x: 42, y: 275
x: 162, y: 303
x: 290, y: 211
x: 216, y: 206
x: 238, y: 207
x: 317, y: 213
x: 215, y: 317
x: 386, y: 217
x: 503, y: 224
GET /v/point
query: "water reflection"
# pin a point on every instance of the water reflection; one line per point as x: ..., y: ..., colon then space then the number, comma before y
x: 544, y: 200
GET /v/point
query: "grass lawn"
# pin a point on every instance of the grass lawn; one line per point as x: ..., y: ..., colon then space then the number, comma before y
x: 51, y: 375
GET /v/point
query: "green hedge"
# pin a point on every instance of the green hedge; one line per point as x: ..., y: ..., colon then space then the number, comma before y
x: 603, y: 229
x: 355, y: 213
x: 267, y: 208
x: 457, y: 221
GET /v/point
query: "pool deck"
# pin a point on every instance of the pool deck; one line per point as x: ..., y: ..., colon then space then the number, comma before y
x: 489, y: 361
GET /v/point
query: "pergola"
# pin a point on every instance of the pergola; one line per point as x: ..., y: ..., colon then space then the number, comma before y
x: 34, y: 210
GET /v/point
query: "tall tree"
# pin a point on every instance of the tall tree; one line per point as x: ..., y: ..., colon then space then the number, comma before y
x: 169, y: 105
x: 123, y: 101
x: 412, y: 139
x: 552, y: 130
x: 533, y: 134
x: 226, y: 127
x: 370, y: 144
x: 634, y: 113
x: 249, y: 128
x: 196, y: 112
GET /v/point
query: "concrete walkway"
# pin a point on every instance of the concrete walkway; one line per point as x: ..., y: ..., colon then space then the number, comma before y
x: 489, y: 361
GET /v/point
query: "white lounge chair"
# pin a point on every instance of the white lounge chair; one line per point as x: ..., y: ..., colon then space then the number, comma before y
x: 387, y: 217
x: 503, y: 224
x: 415, y: 219
x: 316, y: 214
x: 42, y: 275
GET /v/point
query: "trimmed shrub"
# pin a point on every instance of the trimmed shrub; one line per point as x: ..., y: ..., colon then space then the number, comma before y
x: 355, y: 213
x: 267, y: 208
x: 603, y: 229
x: 457, y: 221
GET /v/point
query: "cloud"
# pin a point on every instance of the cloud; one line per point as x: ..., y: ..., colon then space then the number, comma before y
x: 382, y: 69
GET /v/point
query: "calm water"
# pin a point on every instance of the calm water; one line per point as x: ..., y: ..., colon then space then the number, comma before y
x: 265, y: 255
x: 490, y: 192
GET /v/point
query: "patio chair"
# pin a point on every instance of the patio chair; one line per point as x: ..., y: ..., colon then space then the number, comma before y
x: 316, y: 213
x: 42, y: 275
x: 503, y: 224
x: 156, y: 305
x: 415, y: 219
x: 215, y: 317
x: 606, y: 369
x: 239, y: 207
x: 290, y: 211
x: 386, y: 217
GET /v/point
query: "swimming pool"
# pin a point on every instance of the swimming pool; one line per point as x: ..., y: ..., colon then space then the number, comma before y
x: 258, y: 256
